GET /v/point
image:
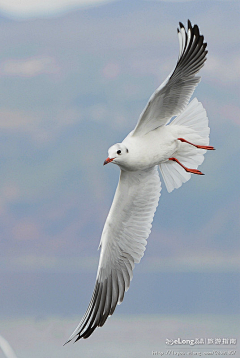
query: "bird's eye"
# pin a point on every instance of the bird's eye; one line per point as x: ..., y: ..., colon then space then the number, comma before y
x: 119, y: 151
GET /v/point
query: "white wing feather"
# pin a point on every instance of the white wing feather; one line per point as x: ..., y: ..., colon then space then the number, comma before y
x: 123, y: 242
x: 194, y: 124
x: 171, y: 98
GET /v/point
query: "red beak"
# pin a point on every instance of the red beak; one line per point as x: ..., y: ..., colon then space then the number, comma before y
x: 108, y: 160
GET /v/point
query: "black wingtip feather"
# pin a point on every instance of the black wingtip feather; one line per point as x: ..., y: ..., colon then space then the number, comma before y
x: 196, y: 30
x: 66, y: 342
x: 193, y: 55
x: 102, y: 305
x: 181, y: 25
x: 77, y: 339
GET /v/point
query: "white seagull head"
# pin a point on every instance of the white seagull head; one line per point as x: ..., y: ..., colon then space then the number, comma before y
x: 117, y: 154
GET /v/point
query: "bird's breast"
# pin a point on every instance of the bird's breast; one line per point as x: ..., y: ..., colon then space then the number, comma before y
x: 151, y: 149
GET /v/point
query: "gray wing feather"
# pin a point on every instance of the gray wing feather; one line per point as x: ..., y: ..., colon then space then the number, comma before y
x: 123, y: 242
x: 173, y: 95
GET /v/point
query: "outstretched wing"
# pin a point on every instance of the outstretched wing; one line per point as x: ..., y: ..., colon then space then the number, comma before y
x: 173, y: 95
x: 123, y: 242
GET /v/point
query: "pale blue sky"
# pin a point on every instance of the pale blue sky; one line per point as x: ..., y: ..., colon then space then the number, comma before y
x: 32, y: 8
x: 28, y: 8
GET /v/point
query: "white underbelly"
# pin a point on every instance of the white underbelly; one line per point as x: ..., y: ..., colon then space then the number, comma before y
x: 152, y: 149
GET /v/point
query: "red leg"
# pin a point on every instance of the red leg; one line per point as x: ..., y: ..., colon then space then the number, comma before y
x: 207, y: 147
x: 193, y: 171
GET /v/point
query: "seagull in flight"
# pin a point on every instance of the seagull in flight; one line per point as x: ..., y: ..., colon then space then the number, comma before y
x: 176, y: 146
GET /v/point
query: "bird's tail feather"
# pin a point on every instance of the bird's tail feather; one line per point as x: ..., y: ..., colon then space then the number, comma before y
x: 193, y: 124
